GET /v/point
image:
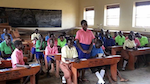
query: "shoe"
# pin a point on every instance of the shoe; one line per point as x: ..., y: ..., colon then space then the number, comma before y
x: 63, y: 80
x: 123, y: 69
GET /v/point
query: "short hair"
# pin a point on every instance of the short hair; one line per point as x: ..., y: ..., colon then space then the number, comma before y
x: 99, y: 41
x: 17, y: 43
x: 51, y: 34
x: 36, y: 29
x: 69, y: 40
x: 83, y: 21
x: 61, y: 35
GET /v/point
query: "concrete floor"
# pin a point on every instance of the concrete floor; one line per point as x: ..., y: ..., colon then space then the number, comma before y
x: 138, y: 76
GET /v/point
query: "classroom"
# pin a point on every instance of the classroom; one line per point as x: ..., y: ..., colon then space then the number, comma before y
x: 74, y: 41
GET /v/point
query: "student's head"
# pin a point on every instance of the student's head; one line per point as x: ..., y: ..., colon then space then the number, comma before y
x: 51, y: 42
x: 62, y: 37
x: 84, y: 25
x: 102, y: 32
x: 36, y: 31
x: 7, y: 39
x: 107, y: 32
x: 72, y: 37
x: 130, y: 37
x: 52, y: 36
x: 48, y: 33
x: 120, y: 33
x: 132, y: 33
x: 115, y: 34
x: 95, y: 39
x: 5, y: 31
x: 18, y: 44
x: 69, y: 42
x: 98, y: 44
x: 138, y: 35
x: 107, y: 36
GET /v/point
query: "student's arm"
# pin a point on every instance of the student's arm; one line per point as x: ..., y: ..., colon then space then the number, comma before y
x: 25, y: 66
x: 79, y: 46
x: 90, y: 48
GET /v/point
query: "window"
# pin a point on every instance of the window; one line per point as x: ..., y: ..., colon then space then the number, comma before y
x: 142, y: 14
x: 112, y: 14
x: 89, y: 15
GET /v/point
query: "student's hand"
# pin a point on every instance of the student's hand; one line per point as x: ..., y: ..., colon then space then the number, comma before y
x: 77, y: 60
x: 88, y: 51
x: 27, y: 66
x: 84, y: 51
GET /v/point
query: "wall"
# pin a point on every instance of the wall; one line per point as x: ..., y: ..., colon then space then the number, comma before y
x: 126, y: 13
x: 69, y: 9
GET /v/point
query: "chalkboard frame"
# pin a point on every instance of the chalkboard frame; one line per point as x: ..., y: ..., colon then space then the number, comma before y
x: 25, y: 17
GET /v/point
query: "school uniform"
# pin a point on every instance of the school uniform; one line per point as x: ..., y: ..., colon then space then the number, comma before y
x: 3, y: 36
x: 17, y: 58
x: 136, y: 40
x: 128, y: 43
x: 46, y: 38
x: 55, y: 42
x: 143, y: 41
x: 35, y: 35
x: 85, y: 38
x: 109, y: 42
x: 50, y: 51
x: 33, y: 51
x: 6, y: 49
x: 67, y: 53
x: 61, y: 43
x: 39, y: 55
x: 120, y: 40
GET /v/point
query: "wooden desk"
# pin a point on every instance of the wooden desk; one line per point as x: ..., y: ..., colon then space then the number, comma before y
x: 115, y: 49
x: 133, y: 53
x: 112, y: 61
x: 58, y: 59
x: 19, y: 73
x: 7, y: 63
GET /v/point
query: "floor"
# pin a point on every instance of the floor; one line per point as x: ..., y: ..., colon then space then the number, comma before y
x: 140, y: 75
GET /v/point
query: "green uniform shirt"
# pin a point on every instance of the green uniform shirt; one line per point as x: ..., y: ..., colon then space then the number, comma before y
x: 38, y: 42
x: 61, y: 43
x: 5, y: 48
x: 143, y: 40
x: 120, y: 40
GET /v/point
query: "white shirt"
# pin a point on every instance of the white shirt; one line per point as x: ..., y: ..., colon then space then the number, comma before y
x: 128, y: 43
x: 35, y: 35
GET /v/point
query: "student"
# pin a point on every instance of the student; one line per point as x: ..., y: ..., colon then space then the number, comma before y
x: 50, y: 51
x: 108, y: 33
x: 7, y: 47
x: 6, y: 32
x: 94, y: 53
x: 115, y: 34
x: 109, y: 41
x: 136, y: 40
x: 95, y: 40
x: 52, y: 36
x: 47, y: 37
x: 143, y: 40
x: 61, y: 42
x: 69, y: 53
x: 35, y: 34
x: 128, y: 44
x: 33, y: 51
x: 102, y: 35
x: 40, y: 45
x: 84, y: 39
x: 17, y: 56
x: 120, y: 39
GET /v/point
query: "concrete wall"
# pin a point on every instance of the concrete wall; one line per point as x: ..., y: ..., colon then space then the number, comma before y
x: 126, y: 13
x: 69, y: 9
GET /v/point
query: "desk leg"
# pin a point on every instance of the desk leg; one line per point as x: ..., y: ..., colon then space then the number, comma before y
x: 131, y: 61
x: 57, y: 68
x: 2, y: 82
x: 32, y: 79
x: 74, y: 71
x: 113, y: 52
x: 114, y: 72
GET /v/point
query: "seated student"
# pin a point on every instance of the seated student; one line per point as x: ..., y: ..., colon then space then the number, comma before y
x: 109, y: 41
x: 94, y: 53
x: 47, y: 37
x: 120, y: 39
x: 61, y: 42
x: 33, y: 52
x: 52, y: 36
x: 128, y: 44
x: 7, y: 47
x: 136, y: 40
x: 40, y: 45
x: 50, y: 51
x: 102, y: 35
x: 143, y: 40
x: 6, y: 32
x: 115, y: 34
x: 17, y: 56
x: 108, y: 33
x: 69, y: 53
x: 35, y: 34
x: 95, y: 40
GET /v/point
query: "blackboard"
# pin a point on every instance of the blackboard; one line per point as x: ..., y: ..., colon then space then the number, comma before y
x: 19, y: 17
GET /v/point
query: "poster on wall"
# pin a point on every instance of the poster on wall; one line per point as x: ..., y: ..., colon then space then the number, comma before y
x: 20, y: 17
